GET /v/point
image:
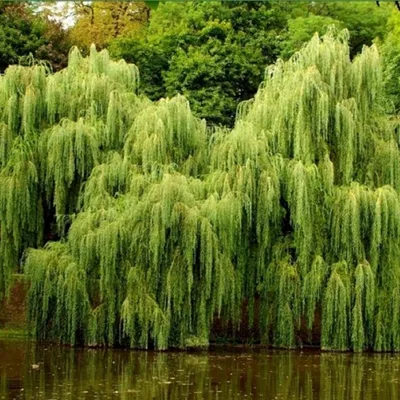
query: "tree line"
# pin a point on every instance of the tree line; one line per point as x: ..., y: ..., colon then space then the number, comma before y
x: 214, y: 53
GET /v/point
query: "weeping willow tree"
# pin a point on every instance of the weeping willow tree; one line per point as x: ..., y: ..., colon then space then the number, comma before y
x: 140, y: 226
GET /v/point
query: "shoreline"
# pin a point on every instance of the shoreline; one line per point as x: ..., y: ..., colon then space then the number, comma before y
x: 10, y: 334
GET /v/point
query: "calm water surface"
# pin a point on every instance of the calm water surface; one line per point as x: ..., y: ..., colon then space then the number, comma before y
x: 29, y: 371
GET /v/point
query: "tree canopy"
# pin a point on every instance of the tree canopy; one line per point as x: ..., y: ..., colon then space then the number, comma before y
x: 24, y: 32
x: 101, y: 22
x: 391, y: 53
x: 296, y: 206
x: 213, y: 53
x: 366, y: 21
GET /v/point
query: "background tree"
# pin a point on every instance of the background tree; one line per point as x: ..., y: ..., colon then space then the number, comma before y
x: 364, y: 20
x: 24, y: 31
x: 301, y: 29
x: 100, y: 22
x: 213, y: 53
x: 391, y: 52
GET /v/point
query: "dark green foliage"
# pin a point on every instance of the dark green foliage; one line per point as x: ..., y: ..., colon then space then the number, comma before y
x: 24, y: 31
x: 365, y: 21
x: 212, y: 53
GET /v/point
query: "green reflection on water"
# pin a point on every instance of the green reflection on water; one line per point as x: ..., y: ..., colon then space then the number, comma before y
x: 65, y: 373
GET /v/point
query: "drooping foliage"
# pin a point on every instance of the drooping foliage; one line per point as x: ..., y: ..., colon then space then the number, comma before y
x: 157, y: 226
x: 20, y: 208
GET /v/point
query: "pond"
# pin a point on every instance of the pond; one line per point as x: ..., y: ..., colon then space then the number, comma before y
x: 33, y: 371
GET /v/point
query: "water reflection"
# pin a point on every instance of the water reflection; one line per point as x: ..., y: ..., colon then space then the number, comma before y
x: 29, y: 371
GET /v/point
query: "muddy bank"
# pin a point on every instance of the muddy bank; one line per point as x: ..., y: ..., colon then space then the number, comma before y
x: 13, y: 322
x: 13, y: 316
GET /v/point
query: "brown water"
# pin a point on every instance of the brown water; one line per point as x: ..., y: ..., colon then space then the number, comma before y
x: 29, y: 371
